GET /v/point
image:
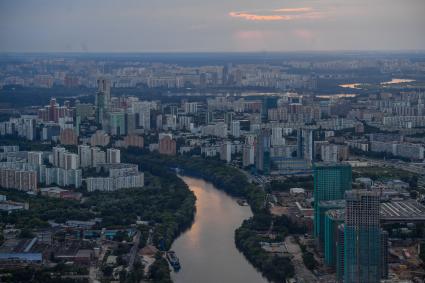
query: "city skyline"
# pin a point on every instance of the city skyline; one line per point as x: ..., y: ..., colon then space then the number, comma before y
x: 219, y: 26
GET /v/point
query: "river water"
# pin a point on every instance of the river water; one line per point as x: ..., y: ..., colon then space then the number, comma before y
x: 207, y: 251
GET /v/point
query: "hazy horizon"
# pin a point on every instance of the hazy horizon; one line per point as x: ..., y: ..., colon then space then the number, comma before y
x: 189, y: 26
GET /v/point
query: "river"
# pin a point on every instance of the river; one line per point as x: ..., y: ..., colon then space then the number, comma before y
x: 207, y: 251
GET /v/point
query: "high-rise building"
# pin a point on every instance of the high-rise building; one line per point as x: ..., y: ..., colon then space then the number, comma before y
x: 98, y: 156
x: 333, y: 218
x: 226, y: 151
x: 100, y: 138
x: 262, y: 154
x: 331, y: 180
x: 24, y: 180
x: 305, y: 143
x: 362, y: 237
x: 277, y: 137
x: 248, y: 155
x: 70, y: 161
x: 84, y: 155
x: 68, y: 137
x: 340, y: 254
x: 117, y: 123
x: 103, y: 100
x: 384, y: 254
x: 134, y: 141
x: 228, y: 118
x: 113, y: 155
x: 35, y: 157
x: 190, y: 107
x: 209, y: 117
x: 143, y: 110
x: 167, y: 145
x: 235, y: 129
x: 57, y: 155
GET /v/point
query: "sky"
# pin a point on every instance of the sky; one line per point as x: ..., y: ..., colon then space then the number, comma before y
x: 210, y: 25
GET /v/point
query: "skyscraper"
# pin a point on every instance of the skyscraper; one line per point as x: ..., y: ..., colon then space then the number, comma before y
x: 262, y: 154
x: 117, y: 123
x: 235, y: 129
x: 333, y: 218
x: 103, y: 100
x: 143, y: 110
x: 113, y: 155
x: 331, y: 180
x: 362, y: 237
x: 305, y: 143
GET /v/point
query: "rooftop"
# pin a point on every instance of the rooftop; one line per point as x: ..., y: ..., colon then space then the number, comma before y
x: 407, y: 210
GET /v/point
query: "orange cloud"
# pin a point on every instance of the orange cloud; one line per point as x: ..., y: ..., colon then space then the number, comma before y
x: 283, y: 14
x: 255, y: 17
x: 294, y: 10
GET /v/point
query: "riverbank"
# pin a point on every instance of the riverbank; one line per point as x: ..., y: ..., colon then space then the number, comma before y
x: 235, y: 183
x: 207, y: 251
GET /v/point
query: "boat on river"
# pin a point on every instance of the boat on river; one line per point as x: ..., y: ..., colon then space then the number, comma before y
x: 173, y: 260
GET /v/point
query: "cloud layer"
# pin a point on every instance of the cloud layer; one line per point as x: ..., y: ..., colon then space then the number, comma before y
x: 210, y: 25
x: 281, y: 14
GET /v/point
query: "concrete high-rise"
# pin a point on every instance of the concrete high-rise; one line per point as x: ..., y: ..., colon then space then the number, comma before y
x: 305, y: 141
x: 362, y: 237
x: 85, y: 156
x: 113, y: 155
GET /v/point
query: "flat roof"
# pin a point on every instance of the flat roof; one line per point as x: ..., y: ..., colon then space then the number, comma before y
x: 21, y: 256
x: 407, y: 210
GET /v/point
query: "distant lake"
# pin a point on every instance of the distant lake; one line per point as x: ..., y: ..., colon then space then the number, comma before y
x: 397, y: 81
x: 339, y: 95
x: 393, y: 81
x: 353, y: 86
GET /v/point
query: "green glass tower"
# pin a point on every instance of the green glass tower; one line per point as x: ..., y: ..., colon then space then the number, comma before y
x: 362, y: 237
x: 331, y: 180
x: 117, y: 123
x: 333, y: 218
x: 262, y: 156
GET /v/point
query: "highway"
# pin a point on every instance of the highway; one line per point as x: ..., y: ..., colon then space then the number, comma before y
x: 406, y: 166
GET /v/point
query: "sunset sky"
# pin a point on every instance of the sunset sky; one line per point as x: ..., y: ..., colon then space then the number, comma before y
x: 211, y: 25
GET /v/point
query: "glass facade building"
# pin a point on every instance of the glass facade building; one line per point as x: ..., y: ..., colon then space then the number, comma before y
x: 331, y: 181
x: 362, y: 237
x: 333, y: 218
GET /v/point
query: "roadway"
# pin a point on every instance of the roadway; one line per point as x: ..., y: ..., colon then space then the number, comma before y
x: 134, y: 250
x: 416, y: 168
